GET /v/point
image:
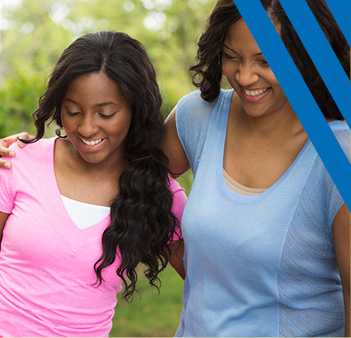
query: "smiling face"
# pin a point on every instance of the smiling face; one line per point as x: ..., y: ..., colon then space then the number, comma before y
x: 249, y: 74
x: 96, y: 117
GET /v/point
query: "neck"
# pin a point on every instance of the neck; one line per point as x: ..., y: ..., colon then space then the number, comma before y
x: 111, y: 167
x: 282, y: 122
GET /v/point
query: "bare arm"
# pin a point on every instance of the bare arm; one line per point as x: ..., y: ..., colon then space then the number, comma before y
x: 176, y: 259
x: 341, y: 232
x: 5, y: 144
x: 173, y: 149
x: 178, y: 164
x: 3, y: 219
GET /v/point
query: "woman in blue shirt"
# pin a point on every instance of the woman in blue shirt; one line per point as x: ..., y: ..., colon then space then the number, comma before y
x: 266, y: 232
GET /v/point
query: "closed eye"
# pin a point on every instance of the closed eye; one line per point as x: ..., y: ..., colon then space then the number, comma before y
x: 230, y: 57
x: 72, y: 113
x: 107, y: 116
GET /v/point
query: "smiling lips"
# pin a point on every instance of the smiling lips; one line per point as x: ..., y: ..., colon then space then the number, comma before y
x: 256, y: 94
x: 92, y: 142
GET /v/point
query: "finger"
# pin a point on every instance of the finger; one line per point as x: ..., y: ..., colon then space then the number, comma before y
x: 4, y: 150
x: 24, y: 136
x: 20, y: 144
x: 5, y: 164
x: 6, y: 142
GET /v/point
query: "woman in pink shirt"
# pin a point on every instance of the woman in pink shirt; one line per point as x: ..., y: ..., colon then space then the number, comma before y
x: 79, y: 212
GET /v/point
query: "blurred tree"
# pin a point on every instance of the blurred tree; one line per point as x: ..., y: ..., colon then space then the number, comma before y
x: 38, y: 31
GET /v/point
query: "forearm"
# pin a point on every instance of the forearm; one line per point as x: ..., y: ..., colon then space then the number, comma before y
x: 176, y: 258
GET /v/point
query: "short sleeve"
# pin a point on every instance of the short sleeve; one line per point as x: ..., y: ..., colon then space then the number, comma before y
x: 179, y: 200
x: 14, y: 181
x: 7, y: 196
x: 336, y: 201
x: 193, y: 115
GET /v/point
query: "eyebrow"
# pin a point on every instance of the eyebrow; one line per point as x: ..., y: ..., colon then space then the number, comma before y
x: 224, y: 45
x: 95, y: 105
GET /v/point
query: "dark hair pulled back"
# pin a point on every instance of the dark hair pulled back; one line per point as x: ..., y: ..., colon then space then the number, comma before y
x: 142, y: 223
x: 208, y: 71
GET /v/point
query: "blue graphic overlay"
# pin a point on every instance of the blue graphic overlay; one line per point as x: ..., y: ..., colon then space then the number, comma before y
x: 298, y: 93
x: 341, y: 10
x: 321, y: 53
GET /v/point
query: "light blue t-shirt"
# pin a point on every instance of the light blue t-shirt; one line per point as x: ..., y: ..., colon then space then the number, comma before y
x: 259, y: 265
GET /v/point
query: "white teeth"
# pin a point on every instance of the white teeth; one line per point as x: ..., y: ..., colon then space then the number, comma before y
x: 255, y: 92
x: 91, y: 143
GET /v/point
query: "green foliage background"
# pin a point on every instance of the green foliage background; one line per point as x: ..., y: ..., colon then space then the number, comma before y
x: 37, y: 31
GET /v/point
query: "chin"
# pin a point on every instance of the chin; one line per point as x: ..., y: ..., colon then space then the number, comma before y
x: 256, y: 111
x: 92, y: 159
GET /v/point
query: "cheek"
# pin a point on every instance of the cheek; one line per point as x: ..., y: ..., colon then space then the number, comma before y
x: 69, y: 125
x: 270, y: 78
x: 226, y: 68
x: 281, y: 96
x: 276, y: 86
x: 66, y: 124
x: 229, y: 78
x: 120, y: 128
x: 229, y: 71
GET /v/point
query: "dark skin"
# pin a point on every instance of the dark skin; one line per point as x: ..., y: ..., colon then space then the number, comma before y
x: 177, y: 248
x: 264, y: 132
x: 90, y: 173
x: 179, y: 164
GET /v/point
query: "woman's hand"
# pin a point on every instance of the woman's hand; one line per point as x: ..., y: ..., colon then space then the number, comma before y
x: 6, y: 152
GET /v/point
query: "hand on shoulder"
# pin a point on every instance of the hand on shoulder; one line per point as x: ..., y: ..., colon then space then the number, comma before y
x: 6, y: 142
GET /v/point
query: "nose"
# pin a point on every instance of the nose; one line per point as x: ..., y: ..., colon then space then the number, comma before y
x: 246, y: 75
x: 88, y: 126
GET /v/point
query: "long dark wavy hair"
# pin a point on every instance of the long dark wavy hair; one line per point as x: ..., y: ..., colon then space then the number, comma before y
x: 142, y: 223
x: 208, y: 70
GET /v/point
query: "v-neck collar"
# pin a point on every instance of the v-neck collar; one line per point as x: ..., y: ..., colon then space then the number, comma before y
x: 218, y: 123
x: 54, y: 204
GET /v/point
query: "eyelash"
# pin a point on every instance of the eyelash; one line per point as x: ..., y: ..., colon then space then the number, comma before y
x: 230, y: 57
x: 102, y: 115
x: 72, y: 114
x: 236, y: 58
x: 107, y: 116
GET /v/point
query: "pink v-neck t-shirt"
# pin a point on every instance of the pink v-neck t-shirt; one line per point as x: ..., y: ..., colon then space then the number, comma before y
x: 46, y: 262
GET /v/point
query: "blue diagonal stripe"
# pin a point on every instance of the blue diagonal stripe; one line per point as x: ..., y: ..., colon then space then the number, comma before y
x: 341, y: 10
x: 298, y: 95
x: 321, y: 53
